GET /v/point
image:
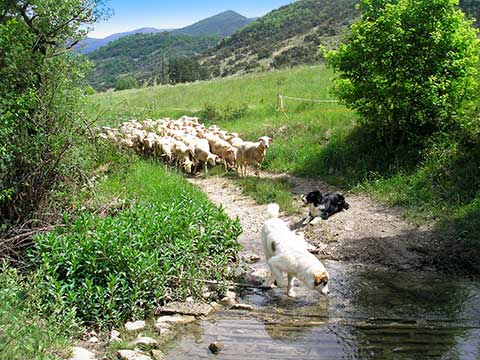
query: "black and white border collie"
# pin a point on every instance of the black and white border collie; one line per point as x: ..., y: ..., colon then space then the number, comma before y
x: 323, y: 206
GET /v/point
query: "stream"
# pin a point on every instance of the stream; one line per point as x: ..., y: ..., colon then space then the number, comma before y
x: 371, y: 313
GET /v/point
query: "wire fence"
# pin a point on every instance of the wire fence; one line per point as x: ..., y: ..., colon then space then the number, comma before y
x: 283, y: 108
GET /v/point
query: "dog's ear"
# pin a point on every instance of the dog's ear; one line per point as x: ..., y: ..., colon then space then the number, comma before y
x: 320, y: 278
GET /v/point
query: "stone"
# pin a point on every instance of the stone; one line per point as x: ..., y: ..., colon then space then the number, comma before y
x: 162, y: 330
x: 261, y: 273
x: 175, y: 319
x: 242, y: 307
x: 231, y: 294
x: 145, y: 341
x: 80, y: 353
x: 216, y: 347
x: 115, y: 336
x: 157, y: 354
x: 93, y: 340
x: 216, y: 306
x: 186, y: 308
x: 132, y: 355
x: 251, y: 258
x: 135, y: 325
x: 228, y: 301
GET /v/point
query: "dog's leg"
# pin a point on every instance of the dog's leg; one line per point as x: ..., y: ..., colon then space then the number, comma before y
x: 276, y: 272
x: 308, y: 219
x: 315, y: 221
x: 290, y: 291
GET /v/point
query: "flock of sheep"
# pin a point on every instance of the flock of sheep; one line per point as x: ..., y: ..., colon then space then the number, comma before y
x: 188, y: 144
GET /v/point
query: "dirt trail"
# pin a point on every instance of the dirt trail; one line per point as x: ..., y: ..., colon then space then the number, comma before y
x: 368, y: 232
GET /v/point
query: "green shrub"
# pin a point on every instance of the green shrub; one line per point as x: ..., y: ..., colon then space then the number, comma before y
x: 216, y: 113
x: 115, y: 268
x: 125, y: 83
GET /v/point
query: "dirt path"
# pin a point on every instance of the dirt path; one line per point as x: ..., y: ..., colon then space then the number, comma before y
x: 368, y: 232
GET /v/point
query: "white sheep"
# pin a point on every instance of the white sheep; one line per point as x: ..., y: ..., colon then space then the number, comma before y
x: 252, y: 153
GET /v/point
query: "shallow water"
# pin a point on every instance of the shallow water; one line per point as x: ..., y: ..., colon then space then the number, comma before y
x: 370, y: 314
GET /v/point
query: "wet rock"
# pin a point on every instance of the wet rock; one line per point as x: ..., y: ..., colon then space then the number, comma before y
x: 145, y: 341
x: 157, y: 354
x: 132, y: 355
x: 227, y: 301
x: 135, y: 325
x: 186, y: 308
x: 216, y: 306
x: 162, y: 331
x: 175, y: 319
x: 242, y: 307
x: 216, y: 347
x: 80, y: 353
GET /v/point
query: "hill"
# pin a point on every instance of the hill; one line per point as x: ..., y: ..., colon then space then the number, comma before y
x: 286, y: 36
x: 151, y: 58
x: 91, y: 44
x: 222, y: 25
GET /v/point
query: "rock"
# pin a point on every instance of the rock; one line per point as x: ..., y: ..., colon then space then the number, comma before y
x: 188, y: 308
x: 114, y: 336
x: 190, y: 299
x: 251, y: 258
x: 162, y: 330
x: 175, y: 319
x: 132, y: 355
x: 157, y: 354
x: 145, y: 341
x: 216, y: 306
x: 135, y: 325
x: 242, y: 307
x: 216, y: 347
x: 260, y: 273
x: 228, y: 301
x: 93, y: 340
x: 231, y: 294
x: 82, y: 354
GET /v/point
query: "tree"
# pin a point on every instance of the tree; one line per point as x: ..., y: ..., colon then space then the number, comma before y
x: 40, y: 87
x: 408, y: 67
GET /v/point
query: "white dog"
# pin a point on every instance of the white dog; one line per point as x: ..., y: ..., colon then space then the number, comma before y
x: 286, y: 252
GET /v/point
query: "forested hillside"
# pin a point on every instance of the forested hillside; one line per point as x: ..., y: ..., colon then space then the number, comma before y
x: 288, y: 36
x: 162, y: 58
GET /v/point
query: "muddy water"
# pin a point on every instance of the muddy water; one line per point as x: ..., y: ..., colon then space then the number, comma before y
x: 370, y: 314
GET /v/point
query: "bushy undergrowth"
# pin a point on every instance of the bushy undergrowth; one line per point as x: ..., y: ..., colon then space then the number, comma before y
x: 23, y: 334
x: 109, y: 269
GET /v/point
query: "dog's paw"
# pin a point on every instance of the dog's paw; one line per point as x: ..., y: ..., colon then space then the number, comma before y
x: 315, y: 221
x: 291, y: 293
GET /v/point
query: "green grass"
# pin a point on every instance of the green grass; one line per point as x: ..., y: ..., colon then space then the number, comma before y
x: 24, y: 335
x: 321, y: 140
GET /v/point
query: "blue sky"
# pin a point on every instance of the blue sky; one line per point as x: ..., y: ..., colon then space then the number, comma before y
x: 130, y: 15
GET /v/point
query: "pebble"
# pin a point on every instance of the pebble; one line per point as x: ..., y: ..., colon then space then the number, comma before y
x: 145, y: 341
x: 216, y: 347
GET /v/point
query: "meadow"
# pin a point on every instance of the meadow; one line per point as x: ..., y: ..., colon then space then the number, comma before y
x: 438, y: 183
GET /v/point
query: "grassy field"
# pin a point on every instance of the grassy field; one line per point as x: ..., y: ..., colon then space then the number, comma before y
x: 320, y: 140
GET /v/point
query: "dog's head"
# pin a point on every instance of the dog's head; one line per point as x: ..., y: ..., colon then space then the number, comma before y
x: 320, y: 282
x: 313, y: 197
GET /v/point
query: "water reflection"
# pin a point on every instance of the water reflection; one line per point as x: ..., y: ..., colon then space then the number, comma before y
x: 371, y: 313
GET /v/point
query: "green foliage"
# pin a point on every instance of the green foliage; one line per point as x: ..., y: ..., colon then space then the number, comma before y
x: 113, y: 268
x: 24, y: 335
x: 278, y: 30
x: 39, y: 114
x: 125, y: 83
x: 408, y: 68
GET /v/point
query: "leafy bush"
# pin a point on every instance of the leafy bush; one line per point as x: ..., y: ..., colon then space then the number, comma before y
x: 407, y: 74
x: 114, y: 268
x: 39, y: 107
x: 127, y: 82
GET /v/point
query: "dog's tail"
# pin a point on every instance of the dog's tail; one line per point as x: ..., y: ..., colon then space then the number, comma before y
x: 273, y: 210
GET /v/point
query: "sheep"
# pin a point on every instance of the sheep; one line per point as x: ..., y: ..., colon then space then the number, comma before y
x: 224, y: 150
x: 203, y: 154
x: 252, y: 153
